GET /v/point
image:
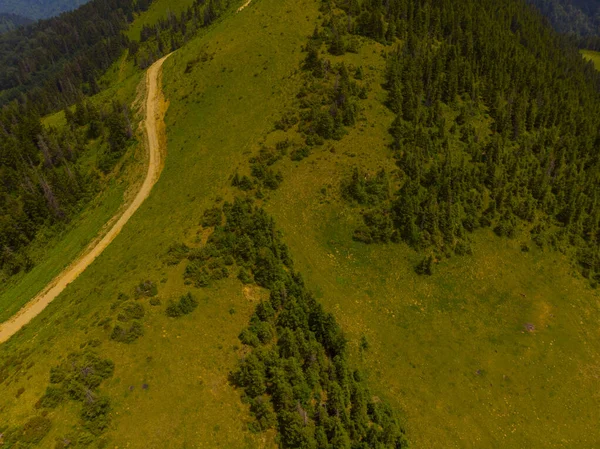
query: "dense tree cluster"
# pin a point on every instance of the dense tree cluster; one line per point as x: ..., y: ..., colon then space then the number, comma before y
x: 50, y: 63
x: 497, y: 124
x: 329, y: 98
x: 41, y: 183
x: 296, y: 376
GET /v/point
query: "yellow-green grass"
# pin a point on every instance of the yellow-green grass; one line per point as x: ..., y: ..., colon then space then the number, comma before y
x: 593, y: 56
x: 215, y: 114
x: 158, y: 10
x: 453, y: 350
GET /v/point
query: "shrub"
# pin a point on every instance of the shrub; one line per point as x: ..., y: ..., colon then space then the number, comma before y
x: 186, y: 305
x: 52, y: 397
x: 95, y: 414
x: 242, y: 182
x: 212, y: 217
x: 123, y: 335
x: 134, y: 311
x: 244, y: 276
x: 177, y: 253
x: 300, y: 153
x: 425, y: 267
x: 35, y: 430
x: 146, y: 288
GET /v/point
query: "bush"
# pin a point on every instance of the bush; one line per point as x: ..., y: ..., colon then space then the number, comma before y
x: 177, y: 253
x: 133, y: 311
x: 245, y: 276
x: 95, y: 414
x: 425, y: 267
x: 212, y: 217
x: 147, y: 288
x: 300, y: 153
x: 242, y: 182
x: 123, y: 335
x: 35, y: 430
x: 52, y: 397
x: 186, y: 305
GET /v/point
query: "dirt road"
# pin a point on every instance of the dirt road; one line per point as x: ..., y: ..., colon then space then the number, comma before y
x: 51, y: 291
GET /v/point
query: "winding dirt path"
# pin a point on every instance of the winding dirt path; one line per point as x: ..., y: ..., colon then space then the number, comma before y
x: 53, y: 289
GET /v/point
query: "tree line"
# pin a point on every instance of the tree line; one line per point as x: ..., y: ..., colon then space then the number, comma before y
x: 173, y: 31
x: 296, y: 374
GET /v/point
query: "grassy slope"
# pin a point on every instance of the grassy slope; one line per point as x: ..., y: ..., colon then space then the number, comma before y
x: 593, y: 56
x: 189, y: 402
x: 451, y: 350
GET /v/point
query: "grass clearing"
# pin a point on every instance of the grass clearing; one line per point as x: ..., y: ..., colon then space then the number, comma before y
x: 497, y: 349
x: 593, y: 56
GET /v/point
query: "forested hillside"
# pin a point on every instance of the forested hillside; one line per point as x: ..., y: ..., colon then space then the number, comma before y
x: 50, y: 64
x: 39, y: 9
x: 497, y: 125
x: 9, y: 21
x: 42, y: 184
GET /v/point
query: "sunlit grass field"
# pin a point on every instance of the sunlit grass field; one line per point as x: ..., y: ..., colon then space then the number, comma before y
x: 593, y: 56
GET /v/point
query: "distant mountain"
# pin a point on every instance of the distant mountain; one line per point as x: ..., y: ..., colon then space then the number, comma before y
x: 39, y: 9
x: 11, y: 21
x: 579, y: 17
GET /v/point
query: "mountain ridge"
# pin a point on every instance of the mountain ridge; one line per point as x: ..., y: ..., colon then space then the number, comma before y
x: 35, y: 10
x: 577, y: 17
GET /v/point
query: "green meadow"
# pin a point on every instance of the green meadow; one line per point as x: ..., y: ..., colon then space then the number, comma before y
x: 593, y: 56
x: 497, y: 349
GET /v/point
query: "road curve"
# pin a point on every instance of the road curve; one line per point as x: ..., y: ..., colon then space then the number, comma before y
x: 58, y: 284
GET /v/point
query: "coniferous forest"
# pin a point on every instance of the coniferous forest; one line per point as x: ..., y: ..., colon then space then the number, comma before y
x: 497, y: 125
